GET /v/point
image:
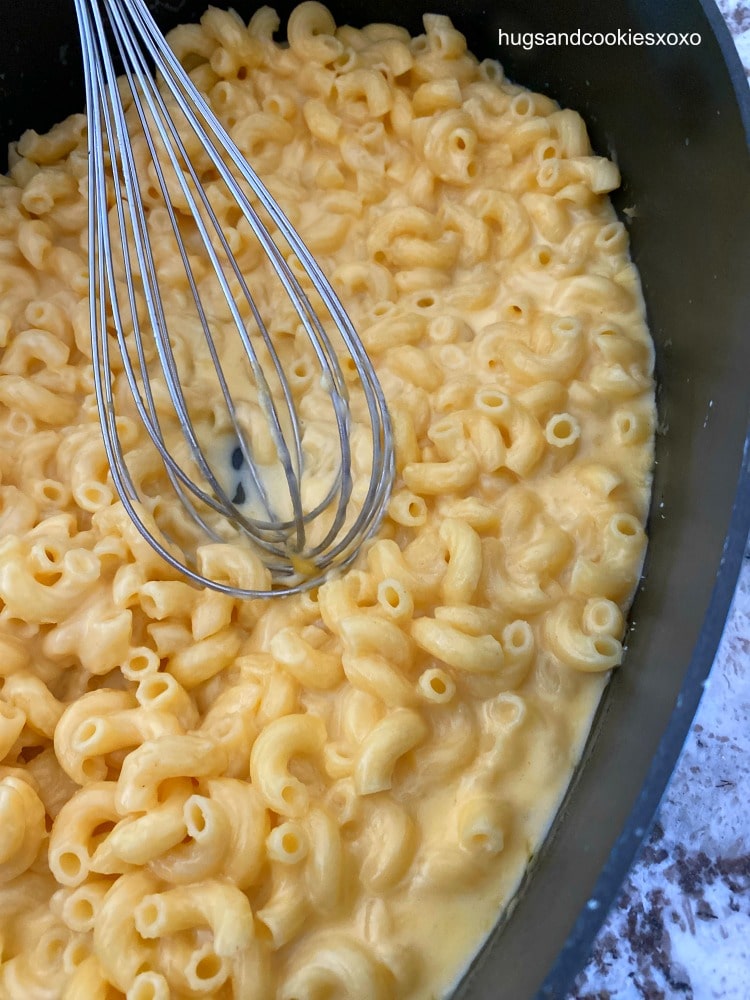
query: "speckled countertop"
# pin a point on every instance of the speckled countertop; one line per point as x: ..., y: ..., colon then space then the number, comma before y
x: 680, y: 929
x: 737, y: 15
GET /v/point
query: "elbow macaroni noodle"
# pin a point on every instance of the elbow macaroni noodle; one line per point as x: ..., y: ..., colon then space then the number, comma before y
x: 331, y: 795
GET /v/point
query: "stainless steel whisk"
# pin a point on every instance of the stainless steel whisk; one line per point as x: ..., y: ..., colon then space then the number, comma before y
x: 120, y: 246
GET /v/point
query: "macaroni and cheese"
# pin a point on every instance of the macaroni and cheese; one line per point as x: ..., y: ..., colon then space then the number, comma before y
x: 329, y: 796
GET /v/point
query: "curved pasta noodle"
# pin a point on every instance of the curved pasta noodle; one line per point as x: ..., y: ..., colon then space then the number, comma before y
x: 525, y: 441
x: 390, y: 841
x: 367, y: 633
x: 324, y: 870
x: 412, y: 238
x: 615, y: 573
x: 202, y: 850
x: 281, y: 740
x: 33, y: 599
x: 390, y: 739
x: 248, y: 824
x: 158, y: 760
x: 473, y: 653
x: 118, y: 946
x: 72, y: 843
x: 12, y: 721
x: 589, y: 653
x: 223, y: 908
x: 454, y: 475
x: 284, y: 914
x: 505, y: 216
x: 376, y: 675
x: 140, y: 839
x: 310, y: 666
x: 22, y: 827
x: 452, y: 433
x: 480, y: 826
x: 464, y: 556
x: 310, y: 32
x: 337, y: 962
x: 449, y: 146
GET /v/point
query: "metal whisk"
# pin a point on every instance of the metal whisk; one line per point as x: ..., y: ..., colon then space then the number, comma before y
x: 224, y: 484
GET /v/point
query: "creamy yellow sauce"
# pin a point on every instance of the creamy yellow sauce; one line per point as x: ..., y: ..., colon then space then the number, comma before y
x: 331, y: 796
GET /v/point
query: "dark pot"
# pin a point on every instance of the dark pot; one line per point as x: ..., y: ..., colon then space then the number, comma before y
x: 674, y: 122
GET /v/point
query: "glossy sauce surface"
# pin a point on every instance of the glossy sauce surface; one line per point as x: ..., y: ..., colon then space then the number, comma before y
x: 333, y: 795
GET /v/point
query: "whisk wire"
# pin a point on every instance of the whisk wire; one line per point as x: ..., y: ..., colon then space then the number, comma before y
x: 115, y: 129
x: 151, y: 289
x: 154, y: 304
x: 292, y: 470
x: 282, y: 538
x: 98, y: 276
x: 316, y: 332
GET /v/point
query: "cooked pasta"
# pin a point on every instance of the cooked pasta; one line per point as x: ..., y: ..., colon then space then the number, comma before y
x: 332, y: 795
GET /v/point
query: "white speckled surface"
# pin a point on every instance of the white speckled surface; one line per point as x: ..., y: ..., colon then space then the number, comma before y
x: 737, y: 15
x: 681, y: 927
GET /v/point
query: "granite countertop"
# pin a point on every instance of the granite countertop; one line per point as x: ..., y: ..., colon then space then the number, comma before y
x: 680, y: 929
x: 681, y: 926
